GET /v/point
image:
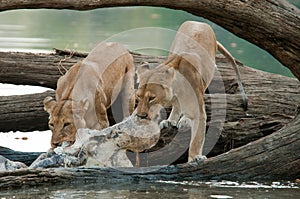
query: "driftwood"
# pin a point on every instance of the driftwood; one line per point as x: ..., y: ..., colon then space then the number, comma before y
x: 272, y: 24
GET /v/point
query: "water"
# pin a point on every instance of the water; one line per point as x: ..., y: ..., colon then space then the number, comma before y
x: 162, y: 189
x: 41, y: 30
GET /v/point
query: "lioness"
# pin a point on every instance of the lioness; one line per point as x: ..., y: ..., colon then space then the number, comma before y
x: 181, y: 81
x: 85, y: 92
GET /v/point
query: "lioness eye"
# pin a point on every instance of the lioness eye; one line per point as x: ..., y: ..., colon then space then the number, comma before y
x: 152, y: 98
x: 67, y: 124
x: 51, y: 125
x: 137, y: 98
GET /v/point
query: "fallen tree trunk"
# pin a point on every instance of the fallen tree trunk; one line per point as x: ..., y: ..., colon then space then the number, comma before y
x: 18, y: 68
x: 271, y: 24
x: 276, y: 156
x: 23, y: 112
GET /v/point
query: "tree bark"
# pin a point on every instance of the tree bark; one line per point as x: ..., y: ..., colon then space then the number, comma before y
x: 18, y: 68
x: 23, y: 112
x: 271, y: 158
x: 272, y: 24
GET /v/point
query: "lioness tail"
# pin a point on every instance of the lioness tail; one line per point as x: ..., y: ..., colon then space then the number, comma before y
x: 227, y: 54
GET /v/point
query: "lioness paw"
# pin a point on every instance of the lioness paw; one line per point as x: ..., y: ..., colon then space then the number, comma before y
x: 199, y: 159
x: 183, y: 122
x: 70, y: 161
x: 166, y: 124
x: 59, y: 150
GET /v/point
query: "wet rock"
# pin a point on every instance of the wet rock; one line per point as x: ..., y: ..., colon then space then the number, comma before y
x: 8, y: 165
x: 105, y: 148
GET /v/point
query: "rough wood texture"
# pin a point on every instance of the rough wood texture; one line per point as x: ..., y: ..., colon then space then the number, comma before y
x: 273, y: 157
x: 272, y: 24
x: 23, y: 112
x: 18, y: 68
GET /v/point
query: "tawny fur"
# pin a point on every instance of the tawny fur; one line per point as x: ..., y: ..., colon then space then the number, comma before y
x: 88, y: 89
x: 181, y: 81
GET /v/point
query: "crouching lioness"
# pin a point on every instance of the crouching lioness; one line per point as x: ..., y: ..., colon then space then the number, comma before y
x: 85, y: 92
x: 181, y: 81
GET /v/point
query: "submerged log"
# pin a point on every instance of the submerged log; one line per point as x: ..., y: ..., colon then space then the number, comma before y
x: 276, y: 156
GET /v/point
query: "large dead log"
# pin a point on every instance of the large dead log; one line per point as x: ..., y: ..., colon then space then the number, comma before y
x: 45, y: 69
x: 276, y: 156
x: 23, y: 112
x: 19, y: 68
x: 272, y: 24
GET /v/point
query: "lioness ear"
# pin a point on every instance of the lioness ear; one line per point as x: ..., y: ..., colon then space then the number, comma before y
x: 49, y: 104
x: 142, y: 67
x: 170, y: 72
x: 174, y: 61
x: 81, y: 107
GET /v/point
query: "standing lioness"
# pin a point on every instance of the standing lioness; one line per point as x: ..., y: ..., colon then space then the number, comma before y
x: 85, y: 92
x: 181, y: 81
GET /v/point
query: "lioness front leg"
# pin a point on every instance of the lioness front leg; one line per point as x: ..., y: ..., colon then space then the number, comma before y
x: 173, y: 117
x: 128, y: 92
x: 102, y: 117
x: 198, y: 137
x: 100, y: 107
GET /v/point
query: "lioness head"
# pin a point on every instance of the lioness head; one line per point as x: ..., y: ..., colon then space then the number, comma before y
x: 154, y: 90
x: 66, y: 116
